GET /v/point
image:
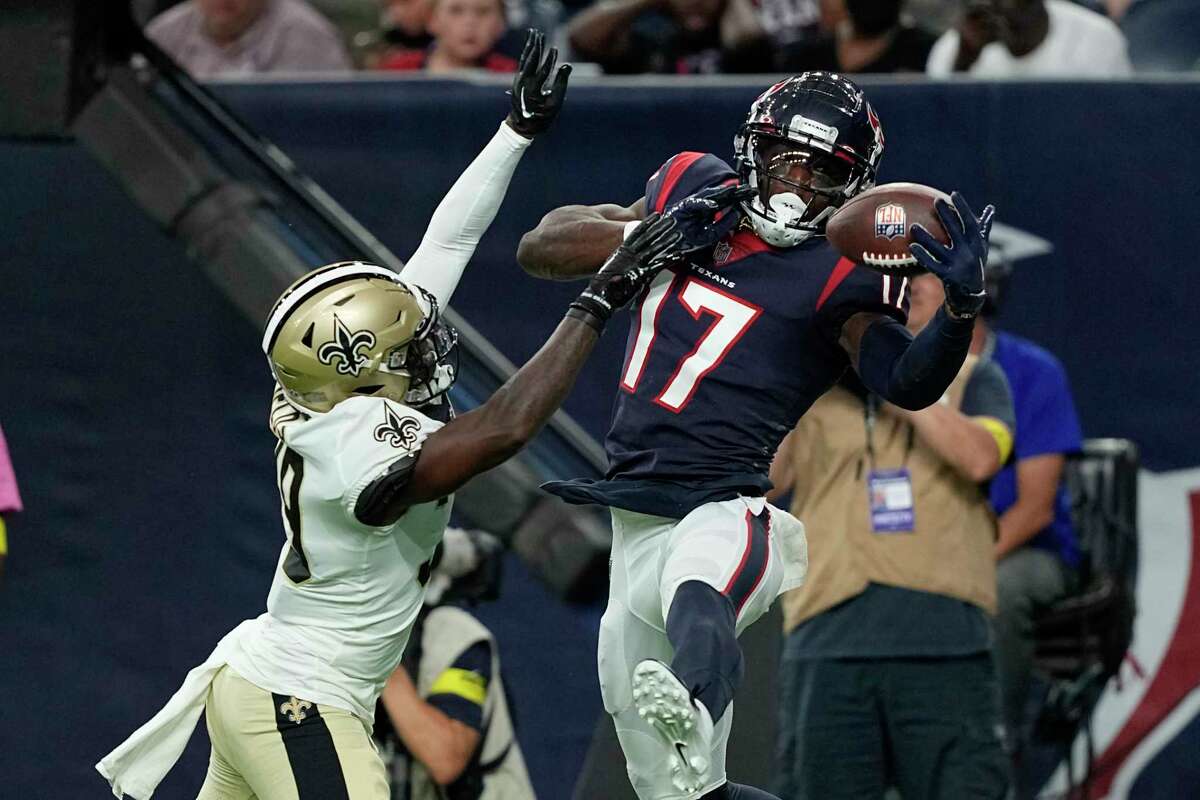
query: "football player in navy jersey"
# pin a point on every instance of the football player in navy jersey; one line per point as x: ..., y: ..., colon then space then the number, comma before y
x: 727, y: 349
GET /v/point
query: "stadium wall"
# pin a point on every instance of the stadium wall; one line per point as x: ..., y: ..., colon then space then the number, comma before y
x: 134, y: 397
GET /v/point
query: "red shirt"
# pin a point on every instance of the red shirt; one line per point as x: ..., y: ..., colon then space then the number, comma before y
x: 411, y: 60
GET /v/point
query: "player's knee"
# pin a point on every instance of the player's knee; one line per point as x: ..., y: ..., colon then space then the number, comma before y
x: 699, y: 610
x: 696, y: 599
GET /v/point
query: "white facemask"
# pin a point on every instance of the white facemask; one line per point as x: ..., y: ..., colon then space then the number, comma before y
x: 777, y: 226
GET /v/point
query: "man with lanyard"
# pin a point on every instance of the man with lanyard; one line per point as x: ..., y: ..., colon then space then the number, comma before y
x: 886, y: 671
x: 1036, y: 550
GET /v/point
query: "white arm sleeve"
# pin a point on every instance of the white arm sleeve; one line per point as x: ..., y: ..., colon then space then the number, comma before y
x: 464, y: 215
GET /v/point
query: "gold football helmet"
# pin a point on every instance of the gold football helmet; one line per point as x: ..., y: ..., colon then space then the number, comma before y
x: 348, y: 330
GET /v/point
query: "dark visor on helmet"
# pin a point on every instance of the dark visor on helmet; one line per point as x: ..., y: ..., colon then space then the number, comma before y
x: 803, y: 167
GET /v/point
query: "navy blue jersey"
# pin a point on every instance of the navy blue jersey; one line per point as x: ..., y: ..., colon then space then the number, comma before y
x: 724, y: 354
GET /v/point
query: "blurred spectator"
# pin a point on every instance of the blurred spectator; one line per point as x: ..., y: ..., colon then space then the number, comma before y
x: 521, y: 15
x: 680, y: 37
x: 1116, y: 8
x: 1031, y: 38
x: 465, y: 33
x: 444, y: 719
x: 774, y: 24
x: 239, y: 37
x: 1036, y: 549
x: 1164, y: 35
x: 10, y: 498
x: 886, y: 675
x: 362, y: 24
x: 406, y: 24
x: 872, y: 38
x: 938, y: 16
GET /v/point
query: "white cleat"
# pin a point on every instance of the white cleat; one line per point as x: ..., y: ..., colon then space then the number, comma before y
x: 685, y: 726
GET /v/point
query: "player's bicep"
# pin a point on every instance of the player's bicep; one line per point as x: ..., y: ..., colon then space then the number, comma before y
x: 637, y: 209
x: 572, y: 242
x: 618, y: 213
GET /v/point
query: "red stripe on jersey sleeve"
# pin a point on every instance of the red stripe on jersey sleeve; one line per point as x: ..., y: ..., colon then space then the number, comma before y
x: 679, y: 165
x: 840, y: 271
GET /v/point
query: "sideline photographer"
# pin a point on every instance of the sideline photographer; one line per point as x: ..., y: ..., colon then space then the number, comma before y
x: 443, y: 718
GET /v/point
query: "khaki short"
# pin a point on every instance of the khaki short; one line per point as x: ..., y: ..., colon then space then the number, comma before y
x: 273, y: 747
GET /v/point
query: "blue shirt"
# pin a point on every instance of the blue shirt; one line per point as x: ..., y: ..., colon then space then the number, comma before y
x: 1046, y: 423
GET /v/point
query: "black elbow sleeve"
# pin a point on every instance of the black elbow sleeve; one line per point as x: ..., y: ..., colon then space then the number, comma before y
x: 377, y: 505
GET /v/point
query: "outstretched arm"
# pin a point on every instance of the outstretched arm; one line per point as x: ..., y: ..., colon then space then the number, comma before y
x: 492, y: 433
x: 910, y: 372
x: 573, y: 241
x: 464, y: 215
x: 468, y: 209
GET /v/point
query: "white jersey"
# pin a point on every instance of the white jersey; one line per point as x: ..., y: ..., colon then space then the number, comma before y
x: 345, y: 594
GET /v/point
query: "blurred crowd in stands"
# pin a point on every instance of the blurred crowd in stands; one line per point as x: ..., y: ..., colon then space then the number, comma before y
x: 983, y: 38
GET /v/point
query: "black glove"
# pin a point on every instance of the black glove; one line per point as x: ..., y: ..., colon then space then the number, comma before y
x: 960, y: 265
x: 534, y: 107
x: 696, y: 216
x: 649, y: 248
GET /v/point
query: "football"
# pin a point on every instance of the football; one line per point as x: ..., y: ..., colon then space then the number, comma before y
x: 872, y: 228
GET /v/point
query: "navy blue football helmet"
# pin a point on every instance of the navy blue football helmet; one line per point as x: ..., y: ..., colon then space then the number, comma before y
x: 813, y: 135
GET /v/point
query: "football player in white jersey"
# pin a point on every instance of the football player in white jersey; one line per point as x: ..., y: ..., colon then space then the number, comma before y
x: 368, y: 457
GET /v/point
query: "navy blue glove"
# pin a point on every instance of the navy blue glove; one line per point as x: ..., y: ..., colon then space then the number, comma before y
x: 959, y: 265
x: 699, y: 219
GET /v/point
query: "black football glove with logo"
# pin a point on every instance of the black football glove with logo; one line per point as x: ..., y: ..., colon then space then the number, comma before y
x: 534, y: 106
x: 699, y: 219
x: 959, y: 265
x: 648, y: 248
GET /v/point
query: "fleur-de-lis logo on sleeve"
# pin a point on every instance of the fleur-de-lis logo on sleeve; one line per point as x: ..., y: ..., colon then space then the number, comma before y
x: 345, y: 347
x: 397, y: 431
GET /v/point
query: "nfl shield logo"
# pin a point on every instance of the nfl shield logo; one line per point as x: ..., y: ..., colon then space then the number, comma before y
x: 721, y: 252
x: 889, y: 221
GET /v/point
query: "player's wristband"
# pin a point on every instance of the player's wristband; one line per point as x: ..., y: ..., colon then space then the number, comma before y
x: 584, y: 312
x: 964, y: 315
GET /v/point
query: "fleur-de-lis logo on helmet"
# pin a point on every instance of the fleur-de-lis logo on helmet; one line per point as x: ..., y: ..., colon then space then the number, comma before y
x: 345, y: 349
x: 397, y: 431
